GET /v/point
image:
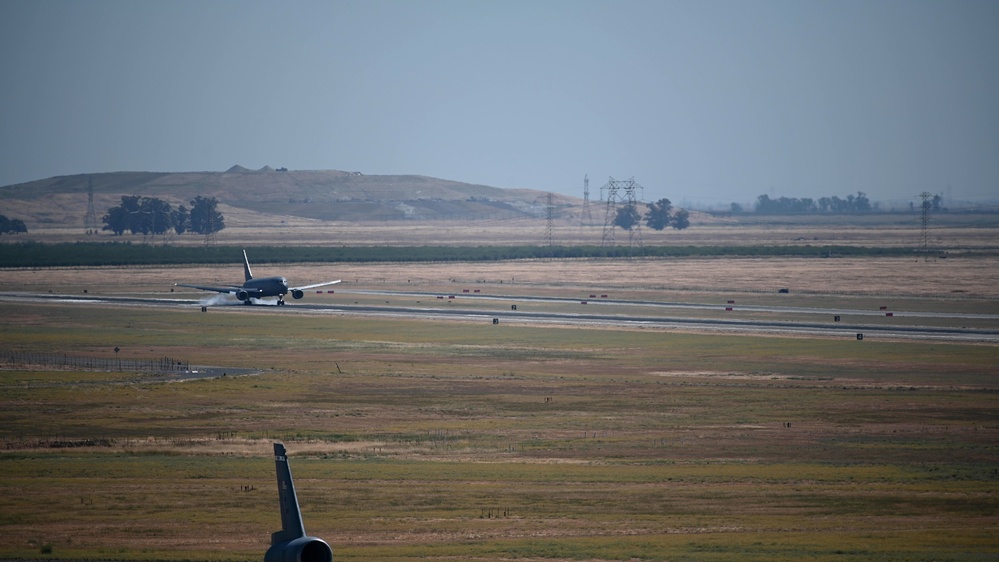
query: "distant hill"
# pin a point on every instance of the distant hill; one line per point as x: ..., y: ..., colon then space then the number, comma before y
x: 330, y: 195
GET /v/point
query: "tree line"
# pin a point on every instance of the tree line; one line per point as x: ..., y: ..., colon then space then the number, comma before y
x: 37, y: 254
x: 658, y: 216
x: 12, y: 226
x: 858, y: 203
x: 150, y: 216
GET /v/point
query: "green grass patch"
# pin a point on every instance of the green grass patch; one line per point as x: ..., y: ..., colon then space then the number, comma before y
x: 36, y: 254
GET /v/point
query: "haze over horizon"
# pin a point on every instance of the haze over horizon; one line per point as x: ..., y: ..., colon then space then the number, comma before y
x: 709, y: 102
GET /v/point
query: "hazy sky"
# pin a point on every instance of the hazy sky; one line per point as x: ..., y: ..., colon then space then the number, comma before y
x: 710, y: 101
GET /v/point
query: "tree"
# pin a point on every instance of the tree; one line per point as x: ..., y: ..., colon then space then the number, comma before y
x: 12, y: 226
x: 17, y: 226
x: 657, y: 217
x: 118, y: 219
x: 764, y: 204
x: 861, y: 204
x: 627, y: 217
x: 681, y: 219
x: 735, y: 208
x: 159, y: 215
x: 145, y: 215
x: 133, y: 207
x: 205, y: 217
x: 181, y: 220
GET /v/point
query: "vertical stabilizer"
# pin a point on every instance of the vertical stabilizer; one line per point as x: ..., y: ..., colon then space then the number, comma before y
x: 246, y: 269
x: 291, y: 515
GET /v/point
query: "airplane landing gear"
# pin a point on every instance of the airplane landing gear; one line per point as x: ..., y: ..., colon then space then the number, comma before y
x: 280, y: 302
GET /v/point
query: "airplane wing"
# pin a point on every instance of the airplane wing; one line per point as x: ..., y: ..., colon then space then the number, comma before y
x: 230, y: 290
x: 314, y: 285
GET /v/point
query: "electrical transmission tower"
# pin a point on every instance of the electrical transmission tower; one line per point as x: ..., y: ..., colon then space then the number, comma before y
x: 620, y: 191
x: 586, y: 214
x: 926, y: 196
x: 550, y: 219
x: 90, y: 221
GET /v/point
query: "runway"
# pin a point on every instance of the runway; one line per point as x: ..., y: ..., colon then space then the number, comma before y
x: 605, y: 313
x: 699, y: 306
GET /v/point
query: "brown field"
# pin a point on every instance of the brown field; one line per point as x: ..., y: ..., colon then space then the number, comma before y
x: 956, y: 232
x: 891, y: 277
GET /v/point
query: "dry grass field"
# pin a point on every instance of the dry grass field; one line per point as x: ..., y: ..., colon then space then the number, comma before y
x: 890, y: 277
x: 417, y: 438
x: 948, y: 232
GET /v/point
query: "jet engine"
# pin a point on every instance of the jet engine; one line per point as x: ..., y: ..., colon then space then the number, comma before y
x: 304, y: 549
x: 242, y: 295
x: 297, y: 293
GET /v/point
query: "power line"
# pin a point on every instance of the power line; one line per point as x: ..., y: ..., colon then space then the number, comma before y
x: 90, y: 221
x: 926, y: 196
x: 586, y: 199
x: 620, y: 191
x: 550, y: 219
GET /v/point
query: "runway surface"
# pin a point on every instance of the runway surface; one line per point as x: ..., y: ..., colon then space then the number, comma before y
x: 604, y: 312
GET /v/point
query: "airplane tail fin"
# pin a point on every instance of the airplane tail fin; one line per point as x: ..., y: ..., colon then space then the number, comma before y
x: 291, y: 516
x: 246, y: 267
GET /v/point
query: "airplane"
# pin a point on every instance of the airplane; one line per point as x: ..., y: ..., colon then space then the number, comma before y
x: 258, y: 287
x: 291, y: 544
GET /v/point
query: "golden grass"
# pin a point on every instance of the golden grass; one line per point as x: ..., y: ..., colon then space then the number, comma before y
x: 888, y: 277
x: 955, y: 232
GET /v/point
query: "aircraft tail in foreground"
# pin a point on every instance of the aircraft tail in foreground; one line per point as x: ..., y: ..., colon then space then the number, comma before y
x: 291, y: 544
